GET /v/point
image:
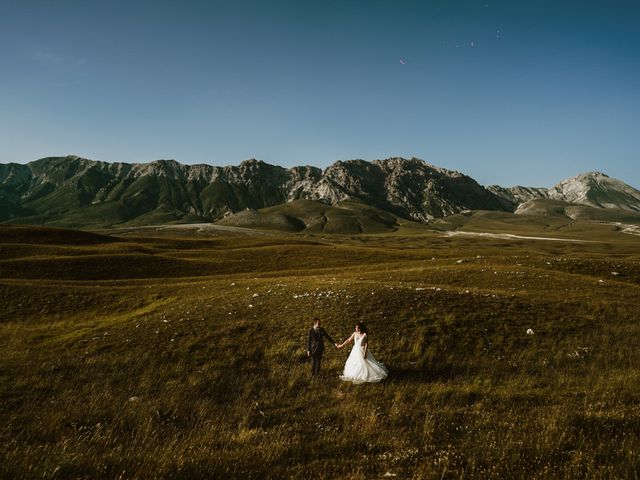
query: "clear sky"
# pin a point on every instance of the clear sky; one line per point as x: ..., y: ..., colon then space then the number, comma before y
x: 511, y: 92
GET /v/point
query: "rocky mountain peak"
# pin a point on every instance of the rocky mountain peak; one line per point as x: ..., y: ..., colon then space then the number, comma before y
x: 593, y: 189
x: 160, y: 168
x: 252, y: 163
x: 593, y: 175
x: 596, y: 189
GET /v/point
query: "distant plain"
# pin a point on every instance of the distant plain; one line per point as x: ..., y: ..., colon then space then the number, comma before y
x: 178, y: 352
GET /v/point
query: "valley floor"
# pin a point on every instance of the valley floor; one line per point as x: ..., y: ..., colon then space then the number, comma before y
x: 181, y: 354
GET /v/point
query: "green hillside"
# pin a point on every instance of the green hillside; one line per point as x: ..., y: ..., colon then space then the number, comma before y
x: 349, y: 217
x: 558, y: 208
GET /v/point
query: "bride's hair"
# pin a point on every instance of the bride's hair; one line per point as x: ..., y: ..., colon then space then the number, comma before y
x: 362, y: 327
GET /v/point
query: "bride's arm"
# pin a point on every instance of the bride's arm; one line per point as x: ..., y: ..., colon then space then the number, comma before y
x: 346, y: 341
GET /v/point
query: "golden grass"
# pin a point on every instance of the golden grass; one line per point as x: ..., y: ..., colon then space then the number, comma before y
x: 197, y: 370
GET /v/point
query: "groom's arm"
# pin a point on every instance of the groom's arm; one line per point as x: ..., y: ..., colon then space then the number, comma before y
x: 309, y: 343
x: 328, y: 337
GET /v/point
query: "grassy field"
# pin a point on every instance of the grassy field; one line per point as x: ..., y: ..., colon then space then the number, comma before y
x: 159, y: 353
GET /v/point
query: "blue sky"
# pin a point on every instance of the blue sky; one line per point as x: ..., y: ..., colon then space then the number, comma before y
x: 509, y: 92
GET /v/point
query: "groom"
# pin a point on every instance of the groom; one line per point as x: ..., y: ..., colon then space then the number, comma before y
x: 315, y: 345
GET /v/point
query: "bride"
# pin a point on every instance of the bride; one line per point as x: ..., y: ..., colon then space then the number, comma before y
x: 361, y: 366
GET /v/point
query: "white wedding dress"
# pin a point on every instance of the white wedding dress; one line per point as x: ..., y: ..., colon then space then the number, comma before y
x: 359, y: 369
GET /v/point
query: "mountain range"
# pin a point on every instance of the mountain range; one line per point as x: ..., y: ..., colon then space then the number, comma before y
x: 77, y: 192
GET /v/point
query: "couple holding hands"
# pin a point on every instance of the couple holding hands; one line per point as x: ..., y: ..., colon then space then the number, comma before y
x: 360, y: 367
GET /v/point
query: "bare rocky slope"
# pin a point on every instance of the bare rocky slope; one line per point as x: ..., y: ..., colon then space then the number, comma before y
x: 596, y: 189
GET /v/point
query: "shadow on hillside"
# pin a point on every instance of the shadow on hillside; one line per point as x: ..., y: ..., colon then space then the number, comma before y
x: 432, y: 373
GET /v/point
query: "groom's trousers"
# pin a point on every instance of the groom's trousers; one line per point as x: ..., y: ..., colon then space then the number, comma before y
x: 316, y: 358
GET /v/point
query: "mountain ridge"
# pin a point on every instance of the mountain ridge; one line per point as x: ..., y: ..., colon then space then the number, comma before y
x: 73, y: 190
x: 78, y: 192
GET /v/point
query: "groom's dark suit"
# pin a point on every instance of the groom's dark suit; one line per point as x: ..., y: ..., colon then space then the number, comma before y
x: 315, y: 345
